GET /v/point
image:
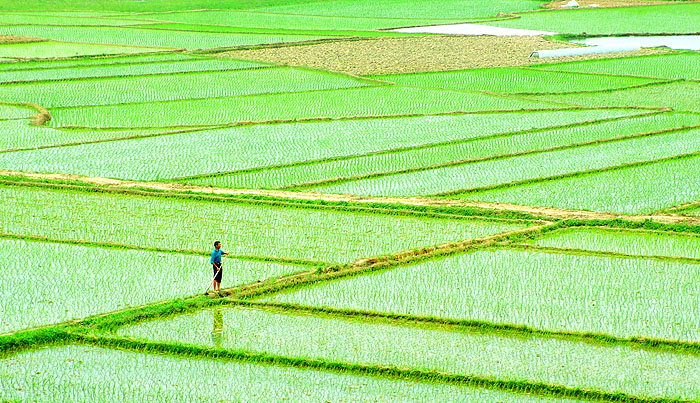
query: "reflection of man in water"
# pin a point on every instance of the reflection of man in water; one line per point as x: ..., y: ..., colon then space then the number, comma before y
x: 217, y: 335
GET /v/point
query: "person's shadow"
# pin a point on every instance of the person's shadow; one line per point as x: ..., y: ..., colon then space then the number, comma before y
x: 217, y: 334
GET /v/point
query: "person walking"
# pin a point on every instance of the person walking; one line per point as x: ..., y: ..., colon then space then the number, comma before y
x: 216, y: 265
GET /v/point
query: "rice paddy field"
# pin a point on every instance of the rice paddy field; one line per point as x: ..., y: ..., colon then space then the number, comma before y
x: 524, y: 232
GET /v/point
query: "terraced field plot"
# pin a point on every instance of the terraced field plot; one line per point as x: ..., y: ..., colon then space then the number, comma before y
x: 250, y: 229
x: 672, y: 66
x: 633, y: 190
x: 152, y: 38
x: 508, y: 171
x: 624, y: 242
x: 50, y: 49
x: 171, y: 87
x: 92, y: 366
x: 300, y: 143
x: 557, y: 292
x: 377, y: 101
x: 549, y: 361
x: 515, y: 81
x: 665, y: 18
x: 681, y: 96
x: 501, y: 234
x: 175, y: 275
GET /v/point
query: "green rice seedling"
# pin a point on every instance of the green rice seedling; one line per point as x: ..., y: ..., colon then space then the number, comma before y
x: 49, y: 49
x: 62, y: 281
x: 368, y: 101
x: 666, y: 18
x: 467, y: 177
x: 150, y: 37
x: 76, y: 64
x: 683, y: 65
x: 167, y: 87
x: 458, y: 10
x: 20, y: 134
x: 54, y: 19
x: 277, y: 21
x: 85, y: 373
x: 680, y: 96
x: 513, y: 81
x: 113, y: 68
x: 8, y: 111
x: 552, y: 361
x: 299, y: 176
x: 624, y: 297
x: 245, y: 229
x: 87, y: 7
x: 626, y: 242
x: 249, y: 147
x: 635, y: 190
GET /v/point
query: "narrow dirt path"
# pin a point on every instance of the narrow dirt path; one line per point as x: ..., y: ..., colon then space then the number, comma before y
x: 550, y: 213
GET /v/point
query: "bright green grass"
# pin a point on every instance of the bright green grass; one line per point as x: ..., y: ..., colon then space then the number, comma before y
x: 15, y: 112
x: 681, y: 96
x: 475, y: 175
x: 633, y: 190
x: 460, y: 9
x: 61, y: 282
x: 371, y: 101
x: 244, y: 229
x: 262, y: 145
x: 667, y: 18
x: 695, y: 211
x: 326, y: 33
x: 54, y: 19
x: 91, y: 374
x: 149, y: 37
x: 513, y: 81
x: 167, y: 87
x: 99, y: 7
x: 621, y: 241
x: 662, y: 66
x: 476, y: 148
x: 551, y: 361
x: 617, y: 296
x: 286, y: 21
x: 138, y: 68
x: 19, y: 134
x: 78, y: 63
x: 39, y: 50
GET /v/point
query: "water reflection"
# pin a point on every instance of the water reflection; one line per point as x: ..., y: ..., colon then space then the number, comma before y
x: 217, y: 334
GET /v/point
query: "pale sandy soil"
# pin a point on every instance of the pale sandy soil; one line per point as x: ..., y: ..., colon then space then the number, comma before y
x: 374, y: 56
x: 18, y: 39
x: 548, y: 212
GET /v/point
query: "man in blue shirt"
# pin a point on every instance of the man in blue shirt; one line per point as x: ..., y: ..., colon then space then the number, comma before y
x: 216, y: 265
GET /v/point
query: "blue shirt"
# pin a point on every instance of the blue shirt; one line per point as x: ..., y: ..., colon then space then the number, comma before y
x: 216, y: 256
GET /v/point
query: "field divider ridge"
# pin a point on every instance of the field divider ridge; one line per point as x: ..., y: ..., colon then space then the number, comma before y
x: 128, y: 76
x: 111, y: 321
x: 188, y: 252
x: 474, y: 326
x: 465, y: 191
x: 629, y: 87
x: 142, y: 189
x: 312, y: 119
x: 417, y: 147
x: 419, y: 205
x: 392, y: 372
x: 591, y: 252
x: 339, y: 180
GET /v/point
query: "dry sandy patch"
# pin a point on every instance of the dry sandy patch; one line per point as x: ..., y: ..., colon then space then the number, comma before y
x: 393, y: 55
